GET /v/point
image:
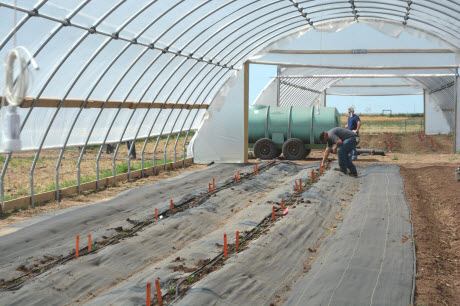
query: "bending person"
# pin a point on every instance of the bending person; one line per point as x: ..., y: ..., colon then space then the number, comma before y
x: 342, y: 142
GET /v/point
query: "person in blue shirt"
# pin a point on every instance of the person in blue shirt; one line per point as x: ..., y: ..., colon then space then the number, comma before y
x: 354, y: 124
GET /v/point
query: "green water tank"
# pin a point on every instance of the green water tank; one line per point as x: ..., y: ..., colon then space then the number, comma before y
x: 279, y: 128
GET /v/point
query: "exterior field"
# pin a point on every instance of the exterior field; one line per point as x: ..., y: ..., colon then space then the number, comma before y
x: 17, y: 181
x: 372, y: 124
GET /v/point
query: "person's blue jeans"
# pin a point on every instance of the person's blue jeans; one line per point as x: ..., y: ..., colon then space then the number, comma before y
x: 344, y: 154
x: 129, y: 143
x: 354, y: 154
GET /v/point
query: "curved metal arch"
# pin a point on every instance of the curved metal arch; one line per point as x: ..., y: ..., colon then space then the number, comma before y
x: 101, y: 76
x: 73, y: 48
x: 158, y: 137
x: 180, y: 20
x: 178, y: 99
x: 235, y: 20
x: 264, y: 29
x: 132, y: 113
x: 196, y: 114
x: 8, y: 158
x: 229, y: 23
x: 438, y: 34
x: 385, y: 3
x: 198, y: 21
x: 188, y: 114
x: 21, y: 23
x: 97, y: 52
x: 272, y: 31
x: 95, y: 31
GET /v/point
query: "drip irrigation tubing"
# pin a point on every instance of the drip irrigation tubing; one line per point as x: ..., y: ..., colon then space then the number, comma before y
x: 198, y: 200
x: 290, y: 201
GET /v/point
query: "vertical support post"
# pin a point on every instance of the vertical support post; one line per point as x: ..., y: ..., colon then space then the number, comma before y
x: 278, y: 72
x: 457, y: 115
x: 246, y: 110
x: 424, y: 111
x: 324, y: 100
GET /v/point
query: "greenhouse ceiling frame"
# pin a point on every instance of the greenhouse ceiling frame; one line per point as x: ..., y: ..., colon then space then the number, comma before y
x: 211, y: 66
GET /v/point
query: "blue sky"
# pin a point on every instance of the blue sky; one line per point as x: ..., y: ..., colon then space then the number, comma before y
x: 260, y: 75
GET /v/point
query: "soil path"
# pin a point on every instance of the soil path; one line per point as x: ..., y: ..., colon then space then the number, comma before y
x: 434, y: 196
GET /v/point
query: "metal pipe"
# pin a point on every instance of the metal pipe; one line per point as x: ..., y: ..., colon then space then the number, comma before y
x: 113, y: 121
x: 194, y: 118
x: 156, y: 144
x: 132, y: 113
x: 97, y: 52
x: 188, y: 114
x: 37, y: 154
x: 134, y: 41
x: 18, y: 26
x: 95, y: 31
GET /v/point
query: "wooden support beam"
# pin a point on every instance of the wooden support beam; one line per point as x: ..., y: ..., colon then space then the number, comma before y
x: 77, y: 103
x: 246, y: 110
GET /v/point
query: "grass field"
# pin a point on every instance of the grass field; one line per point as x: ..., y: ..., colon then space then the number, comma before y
x: 375, y: 124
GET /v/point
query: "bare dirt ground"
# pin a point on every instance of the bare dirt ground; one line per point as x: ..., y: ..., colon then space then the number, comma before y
x: 434, y: 197
x: 430, y: 186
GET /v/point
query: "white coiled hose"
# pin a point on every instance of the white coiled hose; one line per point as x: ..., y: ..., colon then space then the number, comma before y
x: 14, y: 92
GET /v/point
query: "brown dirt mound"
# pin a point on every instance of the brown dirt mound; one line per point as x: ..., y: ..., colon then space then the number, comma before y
x: 408, y: 143
x: 434, y: 197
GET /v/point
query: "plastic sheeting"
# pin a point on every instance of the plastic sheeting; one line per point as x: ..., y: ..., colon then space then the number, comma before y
x: 174, y: 51
x: 220, y: 136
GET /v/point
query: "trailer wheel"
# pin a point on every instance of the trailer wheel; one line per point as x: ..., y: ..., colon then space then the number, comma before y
x: 307, y: 152
x: 264, y: 148
x: 294, y: 149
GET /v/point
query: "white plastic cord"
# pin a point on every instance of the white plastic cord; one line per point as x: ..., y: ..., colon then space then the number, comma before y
x: 16, y: 90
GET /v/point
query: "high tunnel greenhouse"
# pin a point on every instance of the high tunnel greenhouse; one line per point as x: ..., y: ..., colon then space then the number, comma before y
x: 111, y: 72
x: 132, y: 141
x: 116, y: 71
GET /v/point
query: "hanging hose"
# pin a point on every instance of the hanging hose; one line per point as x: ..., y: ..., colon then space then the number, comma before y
x: 14, y: 93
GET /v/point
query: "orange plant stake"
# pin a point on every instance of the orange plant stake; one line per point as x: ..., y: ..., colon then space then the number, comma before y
x: 432, y: 145
x: 273, y: 213
x: 390, y: 134
x: 156, y: 213
x: 238, y: 176
x: 160, y: 299
x: 237, y: 240
x: 213, y: 185
x: 300, y: 185
x: 297, y: 186
x: 321, y: 169
x: 225, y: 246
x: 282, y: 204
x: 89, y: 243
x: 149, y: 290
x: 268, y: 164
x: 78, y: 246
x: 313, y: 175
x: 171, y: 205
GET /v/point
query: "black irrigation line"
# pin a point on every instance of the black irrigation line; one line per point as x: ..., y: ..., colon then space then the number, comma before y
x: 198, y: 200
x: 290, y: 201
